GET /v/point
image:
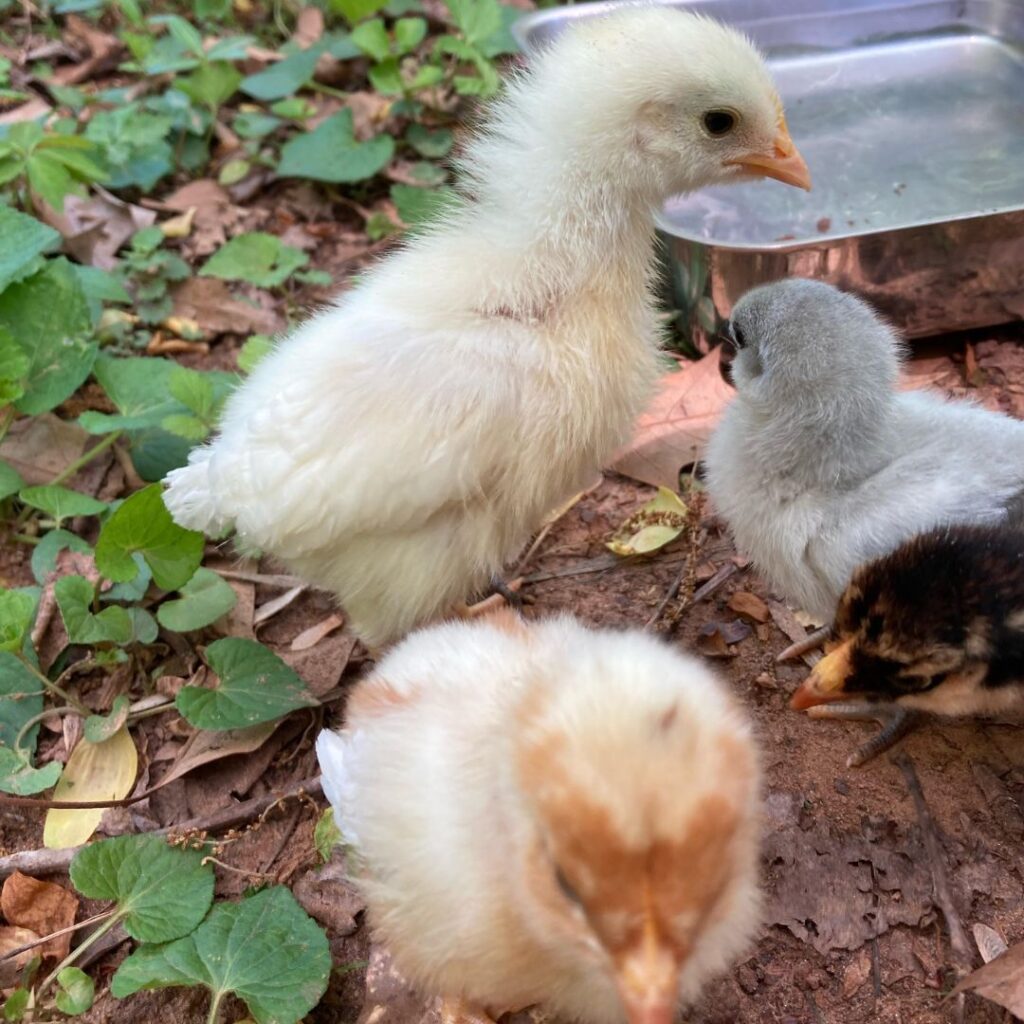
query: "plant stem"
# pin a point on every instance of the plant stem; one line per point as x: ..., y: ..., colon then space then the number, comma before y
x: 86, y: 458
x: 24, y: 538
x: 12, y: 953
x: 54, y: 688
x: 76, y: 953
x: 36, y: 719
x: 215, y: 999
x: 6, y: 419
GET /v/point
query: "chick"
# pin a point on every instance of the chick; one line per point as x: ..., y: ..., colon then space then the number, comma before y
x: 549, y: 814
x: 401, y: 446
x: 936, y: 626
x: 820, y: 464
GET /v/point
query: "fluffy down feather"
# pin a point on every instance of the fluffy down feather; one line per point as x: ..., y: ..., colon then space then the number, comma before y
x: 546, y: 813
x: 403, y: 444
x: 820, y: 464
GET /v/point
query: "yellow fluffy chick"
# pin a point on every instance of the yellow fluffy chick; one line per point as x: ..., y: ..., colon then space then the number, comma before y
x: 401, y: 446
x: 548, y: 814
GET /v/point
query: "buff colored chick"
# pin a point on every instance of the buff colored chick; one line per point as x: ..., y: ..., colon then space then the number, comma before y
x: 937, y: 627
x: 820, y: 464
x: 549, y: 814
x: 402, y: 446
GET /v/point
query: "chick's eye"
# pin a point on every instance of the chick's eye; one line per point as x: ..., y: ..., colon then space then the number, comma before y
x: 736, y: 334
x: 566, y: 889
x: 719, y: 122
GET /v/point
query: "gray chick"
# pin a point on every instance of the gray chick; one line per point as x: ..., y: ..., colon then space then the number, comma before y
x: 820, y: 464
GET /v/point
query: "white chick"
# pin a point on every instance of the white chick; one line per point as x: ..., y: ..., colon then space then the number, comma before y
x: 549, y: 814
x: 401, y: 446
x: 820, y: 464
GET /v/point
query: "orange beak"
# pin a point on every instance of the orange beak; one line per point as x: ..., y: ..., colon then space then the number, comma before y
x: 648, y: 980
x: 785, y: 163
x: 825, y: 683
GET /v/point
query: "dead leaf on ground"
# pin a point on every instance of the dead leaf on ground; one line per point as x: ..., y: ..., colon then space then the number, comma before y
x: 33, y: 110
x: 989, y: 942
x: 102, y: 46
x: 240, y: 618
x: 276, y: 605
x: 390, y: 999
x: 327, y: 894
x: 11, y: 937
x: 1002, y: 980
x: 750, y: 605
x: 787, y: 621
x: 856, y: 973
x: 370, y: 112
x: 205, y: 746
x: 208, y: 301
x: 321, y: 667
x: 675, y: 427
x: 659, y: 522
x: 309, y: 27
x: 41, y: 447
x: 95, y: 771
x: 42, y: 907
x: 314, y: 634
x: 214, y: 217
x: 714, y: 639
x: 95, y: 227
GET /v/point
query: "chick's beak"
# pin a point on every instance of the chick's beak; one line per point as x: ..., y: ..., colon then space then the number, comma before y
x: 648, y: 980
x: 826, y: 681
x: 784, y: 164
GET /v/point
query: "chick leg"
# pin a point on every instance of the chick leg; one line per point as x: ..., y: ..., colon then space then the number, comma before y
x: 811, y: 642
x: 501, y: 593
x: 456, y: 1010
x: 895, y: 721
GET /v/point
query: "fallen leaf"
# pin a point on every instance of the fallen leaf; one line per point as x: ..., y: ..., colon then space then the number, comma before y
x: 102, y: 46
x: 858, y: 972
x: 33, y: 110
x: 12, y: 937
x: 658, y: 523
x: 208, y: 301
x: 205, y: 746
x: 714, y: 638
x: 215, y: 214
x: 326, y: 894
x: 180, y: 226
x: 314, y: 634
x: 240, y: 618
x: 750, y: 605
x: 321, y: 667
x: 42, y: 907
x: 95, y: 771
x: 275, y: 605
x: 786, y: 621
x: 40, y: 447
x: 309, y: 27
x: 673, y: 430
x: 989, y: 942
x: 1002, y: 980
x: 390, y: 998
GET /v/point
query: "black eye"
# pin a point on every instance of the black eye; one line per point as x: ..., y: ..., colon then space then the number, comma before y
x: 719, y: 122
x: 736, y: 334
x: 567, y: 890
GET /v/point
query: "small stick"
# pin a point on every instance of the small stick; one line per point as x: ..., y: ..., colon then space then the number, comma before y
x: 726, y: 572
x: 95, y: 919
x: 811, y: 642
x: 272, y: 580
x: 940, y: 875
x: 48, y: 862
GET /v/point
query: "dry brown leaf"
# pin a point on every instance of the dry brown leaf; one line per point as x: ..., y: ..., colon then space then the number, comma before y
x: 989, y: 942
x: 314, y: 634
x: 40, y: 447
x: 309, y: 27
x: 95, y: 771
x: 94, y: 227
x: 215, y: 214
x: 326, y: 894
x: 714, y: 639
x: 11, y: 937
x: 750, y: 605
x: 42, y: 907
x: 179, y: 226
x: 321, y: 666
x: 1002, y: 980
x: 858, y: 972
x: 786, y: 621
x: 276, y: 605
x: 675, y: 427
x: 370, y: 111
x: 390, y: 999
x: 205, y: 746
x: 33, y: 110
x: 102, y: 46
x: 208, y: 301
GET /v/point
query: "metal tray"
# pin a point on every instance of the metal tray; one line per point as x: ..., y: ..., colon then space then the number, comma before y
x: 911, y: 118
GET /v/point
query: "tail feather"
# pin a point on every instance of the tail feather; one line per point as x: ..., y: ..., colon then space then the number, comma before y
x: 332, y: 751
x: 190, y: 499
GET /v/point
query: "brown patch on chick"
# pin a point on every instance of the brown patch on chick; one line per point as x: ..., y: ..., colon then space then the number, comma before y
x: 508, y: 620
x: 375, y: 696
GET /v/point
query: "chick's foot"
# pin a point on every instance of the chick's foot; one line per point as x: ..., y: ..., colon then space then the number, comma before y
x: 500, y: 595
x: 895, y: 721
x: 456, y: 1010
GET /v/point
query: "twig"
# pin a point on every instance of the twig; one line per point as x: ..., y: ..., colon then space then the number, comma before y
x: 282, y: 582
x: 18, y: 950
x: 726, y: 572
x: 936, y: 858
x: 48, y: 862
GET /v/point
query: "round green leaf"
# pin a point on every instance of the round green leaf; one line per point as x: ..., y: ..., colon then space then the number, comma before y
x: 161, y: 892
x: 76, y: 991
x: 204, y: 599
x: 332, y: 153
x: 98, y: 728
x: 143, y: 524
x: 21, y: 698
x: 10, y: 478
x: 75, y: 596
x: 259, y: 258
x: 44, y: 554
x: 61, y: 502
x: 17, y: 775
x: 254, y: 686
x: 16, y: 611
x: 265, y: 949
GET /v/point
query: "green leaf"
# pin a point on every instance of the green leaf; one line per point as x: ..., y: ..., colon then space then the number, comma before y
x: 386, y: 77
x: 21, y: 698
x: 98, y: 728
x: 326, y: 835
x: 255, y: 348
x: 48, y: 316
x: 429, y: 143
x: 372, y: 38
x: 161, y: 892
x: 61, y: 502
x: 25, y: 238
x: 143, y: 524
x: 409, y: 33
x: 16, y: 1004
x: 250, y: 124
x: 476, y: 19
x: 193, y: 389
x: 50, y: 180
x: 295, y: 108
x: 254, y: 686
x: 10, y: 479
x: 17, y: 775
x: 75, y: 595
x: 188, y: 427
x: 212, y: 83
x: 204, y: 599
x: 258, y: 258
x: 139, y: 387
x: 76, y: 991
x: 418, y: 206
x: 44, y: 554
x: 233, y: 171
x: 332, y: 153
x: 184, y: 33
x: 502, y: 41
x: 266, y: 949
x: 16, y: 611
x: 355, y: 10
x: 285, y: 78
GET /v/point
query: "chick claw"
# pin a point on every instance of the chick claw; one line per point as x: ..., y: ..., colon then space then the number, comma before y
x: 895, y: 721
x: 455, y: 1010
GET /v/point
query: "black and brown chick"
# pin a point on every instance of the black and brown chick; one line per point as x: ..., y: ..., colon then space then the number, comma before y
x: 935, y: 627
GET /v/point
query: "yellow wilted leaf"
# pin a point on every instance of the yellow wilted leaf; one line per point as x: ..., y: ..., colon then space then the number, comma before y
x: 658, y: 523
x: 180, y: 226
x: 95, y: 771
